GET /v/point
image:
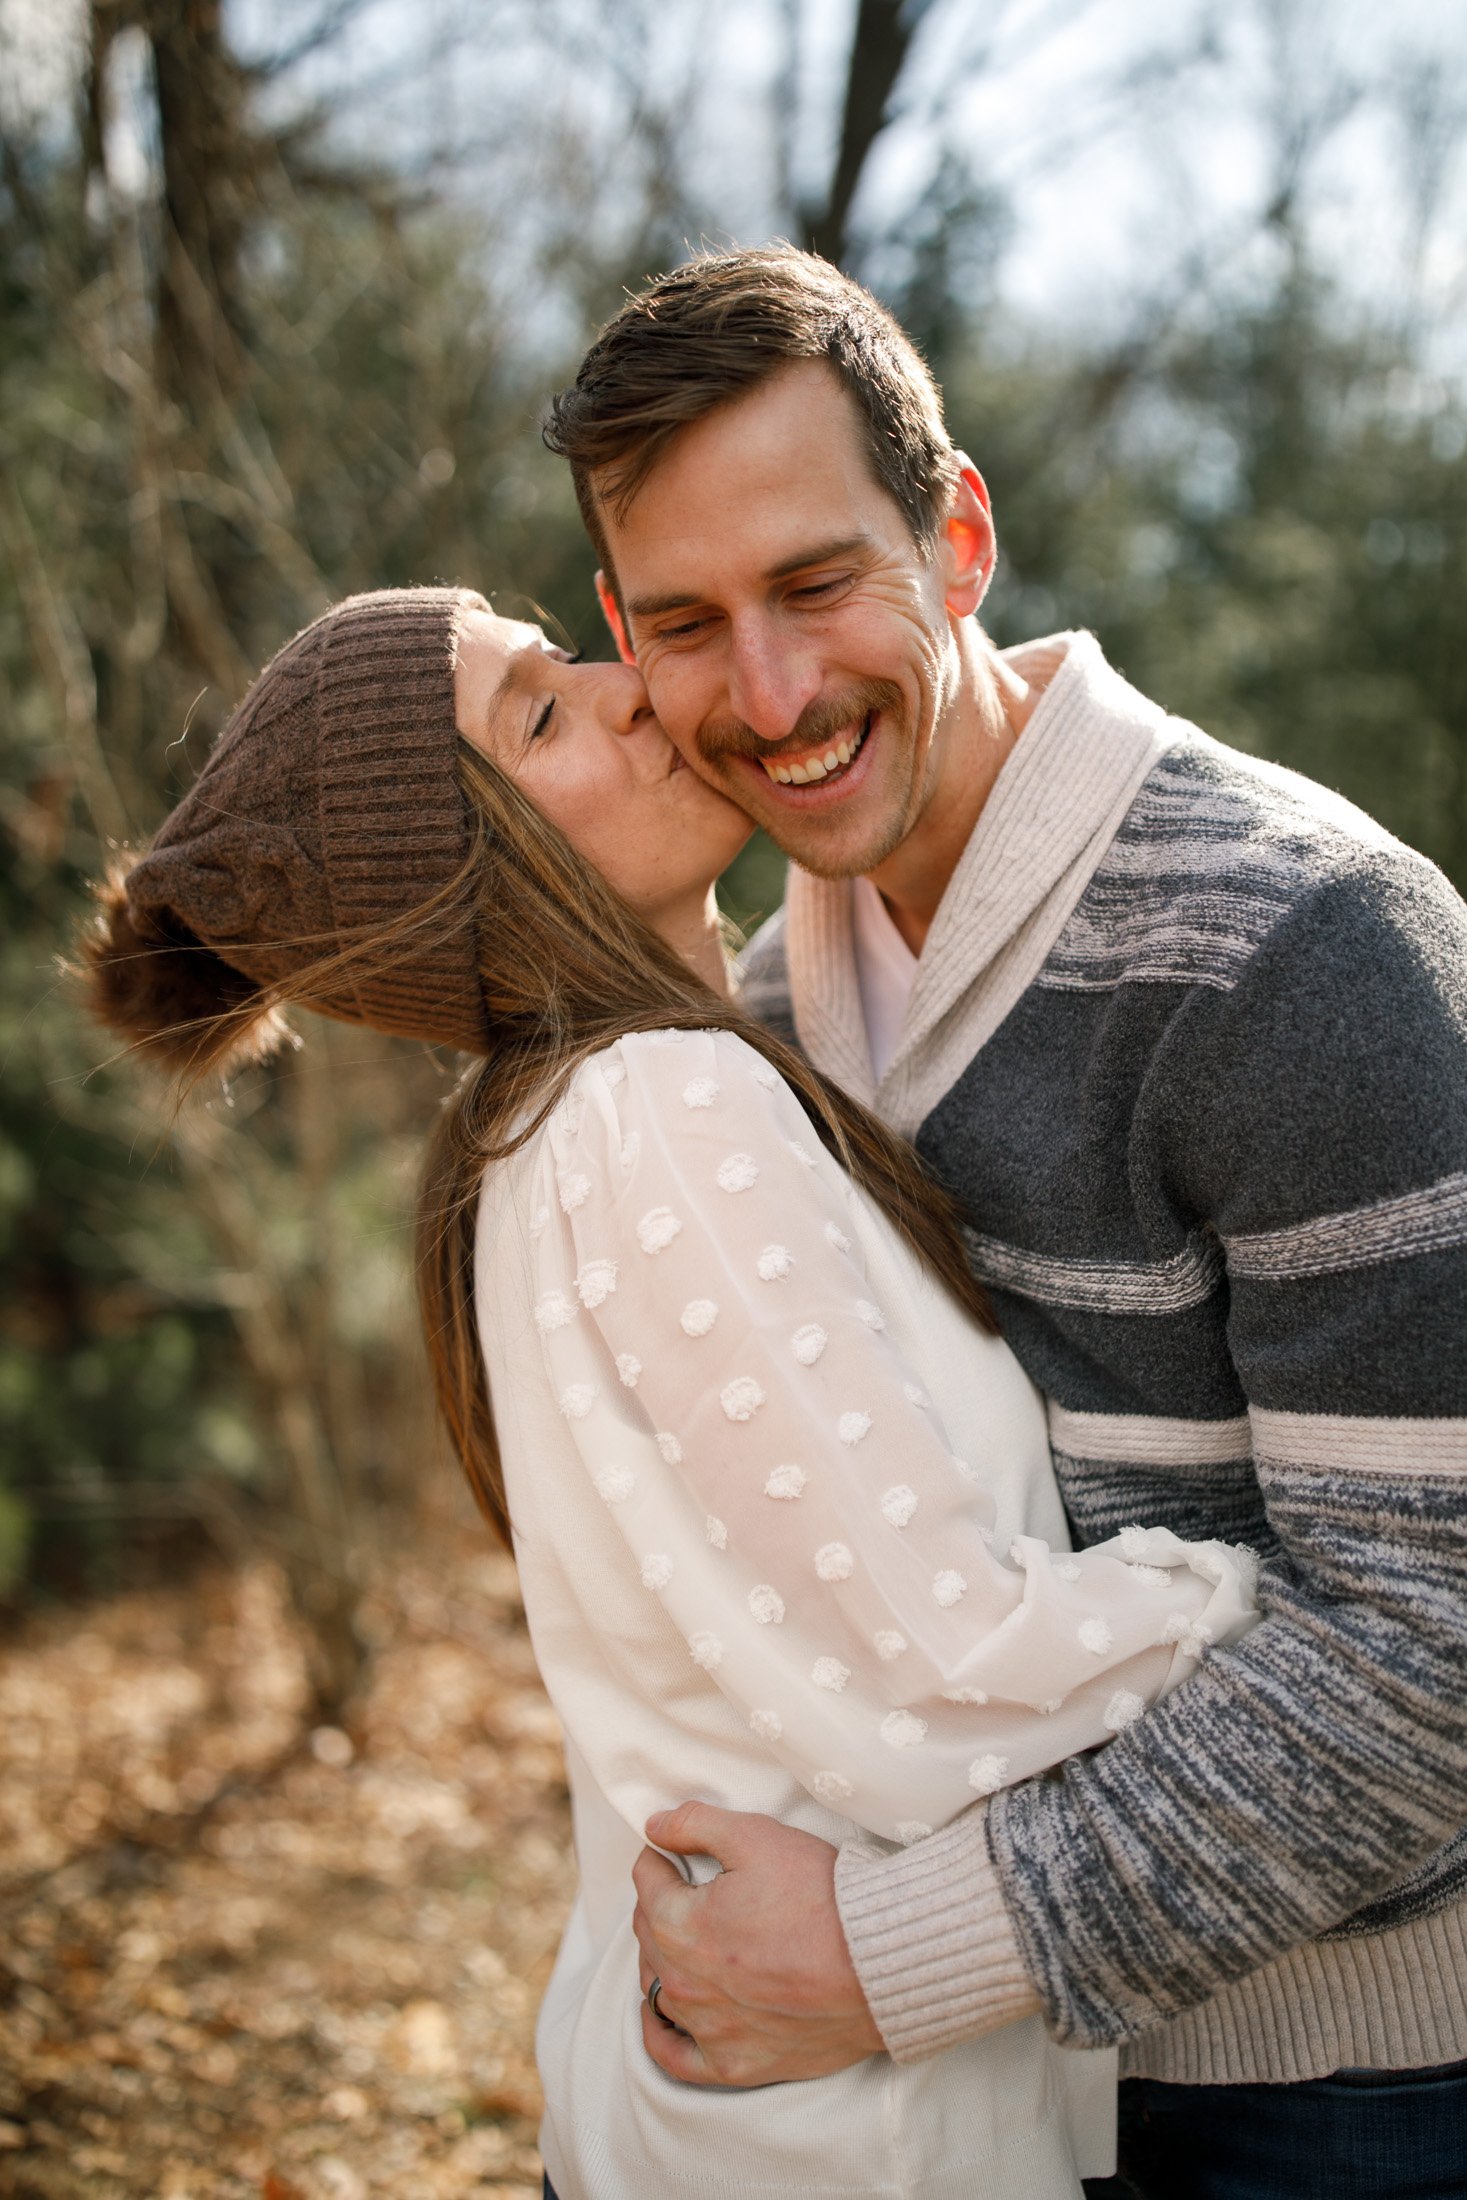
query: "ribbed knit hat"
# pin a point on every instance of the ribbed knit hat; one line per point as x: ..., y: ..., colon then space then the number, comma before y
x: 330, y: 806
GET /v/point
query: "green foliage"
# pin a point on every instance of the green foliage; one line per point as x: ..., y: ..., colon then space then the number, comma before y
x: 1259, y: 505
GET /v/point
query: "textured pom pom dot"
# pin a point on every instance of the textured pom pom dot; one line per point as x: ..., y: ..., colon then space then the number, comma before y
x: 808, y: 1343
x: 765, y: 1074
x: 631, y: 1146
x: 572, y: 1111
x: 889, y: 1645
x: 698, y: 1317
x: 768, y: 1725
x: 615, y: 1484
x: 836, y: 1236
x: 717, y: 1533
x: 766, y: 1604
x: 657, y: 1229
x: 1124, y: 1708
x: 802, y: 1154
x: 741, y: 1399
x: 909, y: 1830
x: 902, y: 1729
x: 1095, y: 1636
x: 574, y: 1192
x: 595, y: 1282
x: 615, y: 1073
x: 833, y: 1562
x: 1207, y: 1564
x: 830, y: 1673
x: 1048, y: 1709
x: 915, y: 1395
x: 871, y: 1315
x: 1133, y: 1541
x: 1155, y: 1577
x: 700, y: 1092
x: 666, y: 1038
x: 656, y: 1570
x: 670, y: 1448
x: 775, y: 1263
x: 949, y: 1586
x: 629, y: 1368
x: 706, y: 1650
x: 785, y: 1482
x: 986, y: 1775
x: 851, y: 1427
x: 538, y: 1221
x: 830, y: 1787
x: 577, y: 1400
x: 739, y: 1173
x: 1191, y: 1635
x: 899, y: 1504
x: 553, y: 1311
x: 1066, y: 1570
x: 965, y: 1695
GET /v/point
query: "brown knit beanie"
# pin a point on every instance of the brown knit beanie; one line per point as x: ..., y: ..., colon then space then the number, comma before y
x: 329, y: 806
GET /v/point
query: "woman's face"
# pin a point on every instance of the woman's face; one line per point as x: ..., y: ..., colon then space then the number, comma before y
x: 582, y: 742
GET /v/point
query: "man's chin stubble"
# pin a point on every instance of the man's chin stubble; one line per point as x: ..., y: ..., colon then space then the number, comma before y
x: 828, y: 862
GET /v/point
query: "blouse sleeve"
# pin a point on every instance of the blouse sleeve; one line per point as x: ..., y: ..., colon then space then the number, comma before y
x: 782, y: 1481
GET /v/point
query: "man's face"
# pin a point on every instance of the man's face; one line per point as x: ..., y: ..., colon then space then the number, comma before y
x: 798, y: 645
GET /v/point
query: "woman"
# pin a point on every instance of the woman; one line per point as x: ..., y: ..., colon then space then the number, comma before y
x: 781, y: 1501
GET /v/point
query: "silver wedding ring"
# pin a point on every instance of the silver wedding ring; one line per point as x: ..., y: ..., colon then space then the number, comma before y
x: 652, y: 1993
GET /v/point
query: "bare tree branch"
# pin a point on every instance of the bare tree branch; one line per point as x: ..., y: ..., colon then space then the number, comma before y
x: 61, y: 651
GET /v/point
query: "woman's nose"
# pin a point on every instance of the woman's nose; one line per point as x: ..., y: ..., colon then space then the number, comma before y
x: 626, y: 705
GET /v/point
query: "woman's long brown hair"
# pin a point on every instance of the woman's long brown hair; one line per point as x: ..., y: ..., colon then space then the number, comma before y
x: 568, y: 968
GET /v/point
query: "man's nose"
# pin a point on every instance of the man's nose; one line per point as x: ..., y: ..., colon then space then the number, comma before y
x: 771, y: 680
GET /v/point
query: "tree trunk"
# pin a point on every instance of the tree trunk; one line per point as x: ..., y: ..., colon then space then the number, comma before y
x: 883, y: 37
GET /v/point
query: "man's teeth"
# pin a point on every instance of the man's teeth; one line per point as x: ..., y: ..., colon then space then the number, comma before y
x: 815, y: 767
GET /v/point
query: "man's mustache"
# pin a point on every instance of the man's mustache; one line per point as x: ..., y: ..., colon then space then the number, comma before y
x: 819, y: 723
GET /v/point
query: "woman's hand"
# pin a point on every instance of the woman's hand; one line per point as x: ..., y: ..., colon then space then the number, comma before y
x: 757, y: 1981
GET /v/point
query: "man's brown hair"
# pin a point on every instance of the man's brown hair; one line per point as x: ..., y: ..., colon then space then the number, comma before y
x: 715, y: 329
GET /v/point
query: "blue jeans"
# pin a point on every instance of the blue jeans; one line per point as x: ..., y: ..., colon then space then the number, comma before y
x: 1359, y: 2135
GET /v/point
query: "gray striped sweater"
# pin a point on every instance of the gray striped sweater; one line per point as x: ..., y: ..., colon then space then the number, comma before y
x: 1189, y: 1041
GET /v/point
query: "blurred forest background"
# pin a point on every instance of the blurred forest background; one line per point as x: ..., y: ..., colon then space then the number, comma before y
x: 283, y: 287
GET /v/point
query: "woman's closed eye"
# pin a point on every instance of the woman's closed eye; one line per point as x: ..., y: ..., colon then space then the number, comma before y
x: 540, y: 723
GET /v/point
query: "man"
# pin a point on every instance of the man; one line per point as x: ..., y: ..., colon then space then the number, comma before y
x: 1187, y: 1036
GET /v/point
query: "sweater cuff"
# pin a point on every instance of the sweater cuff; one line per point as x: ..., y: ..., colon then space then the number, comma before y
x: 930, y: 1937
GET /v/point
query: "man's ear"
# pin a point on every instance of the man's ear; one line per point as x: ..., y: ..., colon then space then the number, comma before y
x: 611, y: 612
x: 969, y: 547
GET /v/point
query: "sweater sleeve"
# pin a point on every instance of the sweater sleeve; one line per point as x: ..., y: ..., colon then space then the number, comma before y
x: 1315, y: 1117
x: 784, y: 1486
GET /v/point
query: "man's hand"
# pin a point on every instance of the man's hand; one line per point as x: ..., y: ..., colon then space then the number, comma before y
x: 755, y: 1972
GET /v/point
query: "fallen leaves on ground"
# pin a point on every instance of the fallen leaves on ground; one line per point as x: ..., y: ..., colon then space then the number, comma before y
x: 245, y: 1960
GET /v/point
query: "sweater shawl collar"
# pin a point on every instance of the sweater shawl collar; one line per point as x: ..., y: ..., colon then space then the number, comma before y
x: 1053, y: 811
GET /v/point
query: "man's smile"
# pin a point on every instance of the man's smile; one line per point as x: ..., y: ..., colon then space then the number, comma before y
x: 819, y: 763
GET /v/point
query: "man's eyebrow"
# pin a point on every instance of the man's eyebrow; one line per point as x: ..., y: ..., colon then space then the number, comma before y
x: 840, y: 546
